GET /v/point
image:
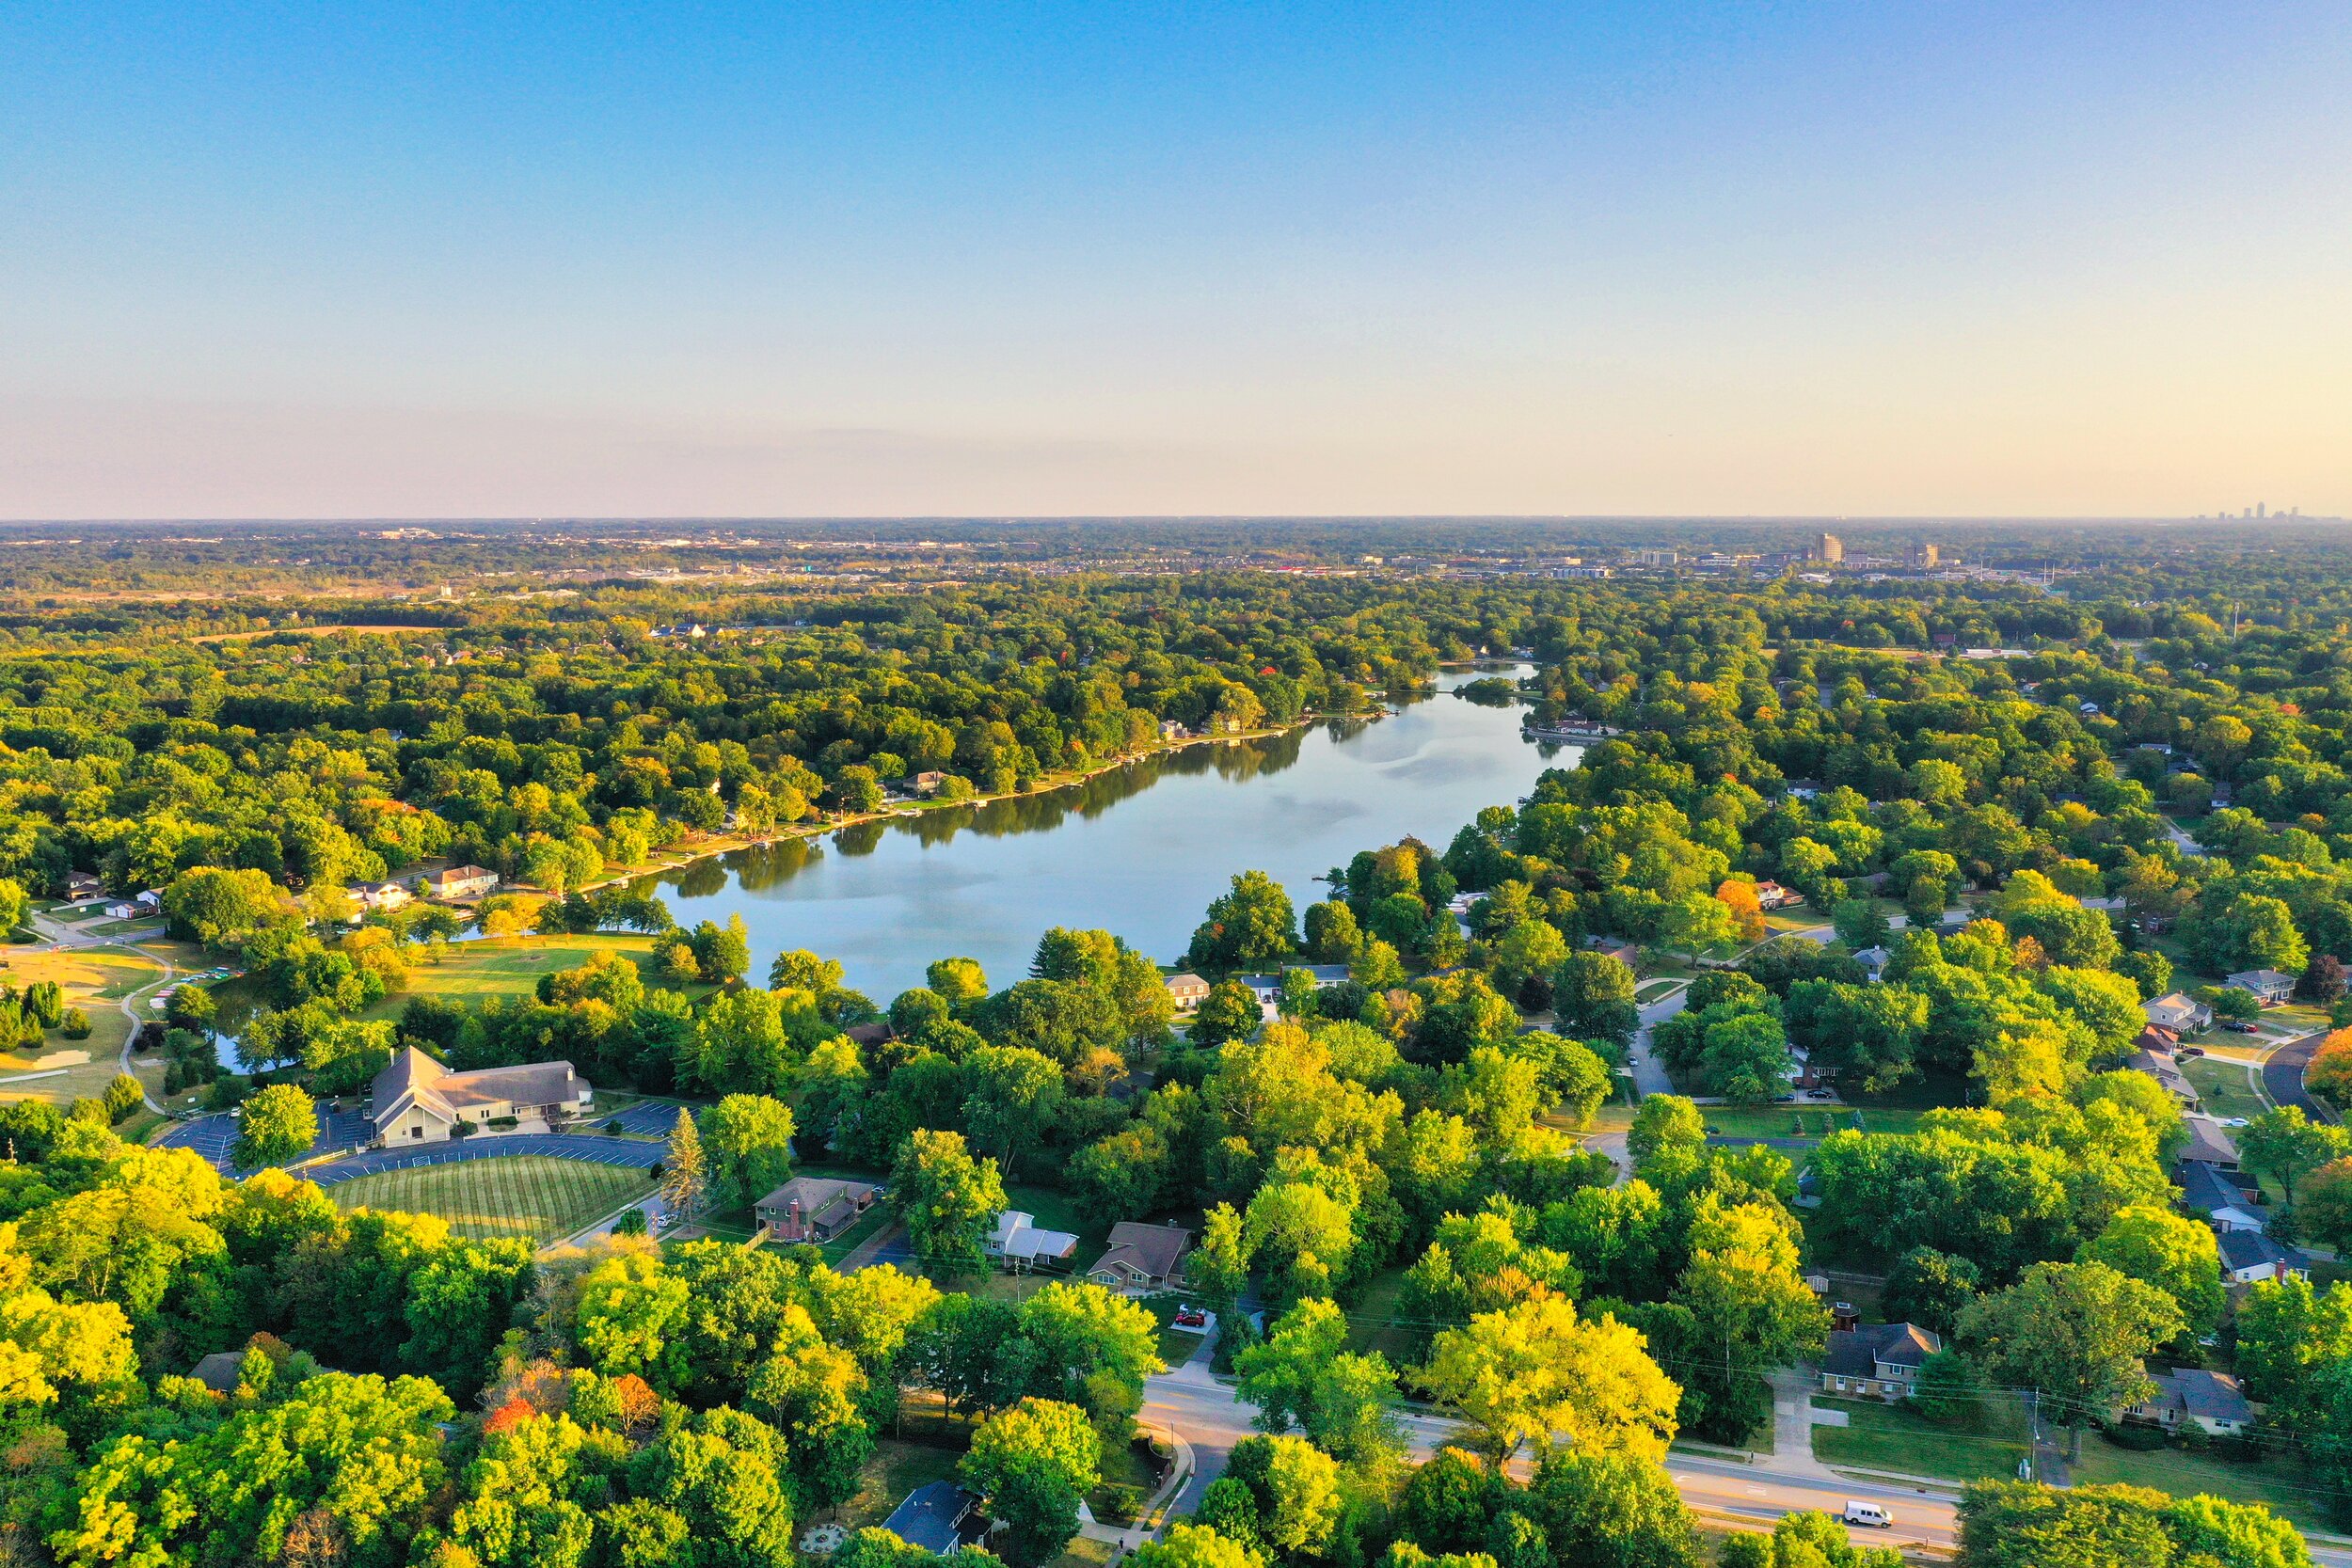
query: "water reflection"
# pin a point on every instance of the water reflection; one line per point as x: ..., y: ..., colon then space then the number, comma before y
x: 1139, y: 848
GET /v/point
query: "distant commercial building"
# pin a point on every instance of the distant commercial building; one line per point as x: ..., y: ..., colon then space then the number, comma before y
x: 1831, y: 548
x: 1657, y: 557
x: 1925, y: 555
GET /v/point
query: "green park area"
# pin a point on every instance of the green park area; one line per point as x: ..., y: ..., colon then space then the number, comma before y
x: 529, y: 1197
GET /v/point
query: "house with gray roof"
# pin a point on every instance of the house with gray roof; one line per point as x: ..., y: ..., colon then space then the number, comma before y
x: 2166, y: 1072
x: 2269, y: 986
x: 2250, y: 1256
x: 939, y: 1518
x: 420, y: 1101
x: 2209, y: 1142
x: 2213, y: 1403
x: 1877, y: 1360
x: 2226, y: 1205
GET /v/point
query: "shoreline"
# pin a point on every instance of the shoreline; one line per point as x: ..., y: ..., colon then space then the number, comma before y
x: 729, y: 843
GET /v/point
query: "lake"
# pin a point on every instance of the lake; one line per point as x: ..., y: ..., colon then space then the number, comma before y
x: 1139, y: 850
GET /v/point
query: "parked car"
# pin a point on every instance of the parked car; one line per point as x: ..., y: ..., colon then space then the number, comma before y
x: 2237, y: 1028
x: 2190, y: 1050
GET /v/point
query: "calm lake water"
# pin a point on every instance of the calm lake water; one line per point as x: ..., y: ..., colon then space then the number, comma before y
x: 1139, y: 851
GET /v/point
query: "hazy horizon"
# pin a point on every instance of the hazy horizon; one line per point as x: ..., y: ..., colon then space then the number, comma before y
x: 393, y: 263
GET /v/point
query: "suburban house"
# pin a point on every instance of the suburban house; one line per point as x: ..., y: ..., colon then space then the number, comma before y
x: 1020, y: 1246
x: 1269, y: 988
x: 2226, y: 1205
x: 813, y: 1208
x: 379, y: 895
x: 1140, y: 1257
x: 81, y: 884
x: 939, y: 1517
x: 151, y: 899
x: 2271, y: 987
x: 1772, y: 895
x: 220, y: 1371
x: 2166, y: 1071
x: 2177, y: 1013
x: 1188, y: 990
x: 2192, y: 1396
x: 2250, y: 1257
x: 1626, y: 953
x: 122, y: 911
x: 1877, y: 1360
x: 1874, y: 961
x: 2157, y: 1038
x: 460, y: 881
x: 2209, y: 1142
x: 420, y: 1101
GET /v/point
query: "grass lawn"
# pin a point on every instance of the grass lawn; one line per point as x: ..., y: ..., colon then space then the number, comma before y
x: 1766, y: 1121
x: 511, y: 966
x: 2278, y: 1481
x: 1652, y: 990
x: 525, y: 1195
x: 1370, y: 1320
x: 896, y: 1468
x: 1894, y: 1437
x: 96, y: 982
x: 1084, y: 1553
x: 2223, y: 1086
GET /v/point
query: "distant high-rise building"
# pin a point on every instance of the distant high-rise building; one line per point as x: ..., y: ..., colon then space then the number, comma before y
x: 1831, y: 548
x: 2261, y: 509
x: 1924, y: 554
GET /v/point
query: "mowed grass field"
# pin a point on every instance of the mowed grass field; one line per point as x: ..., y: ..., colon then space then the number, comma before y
x: 526, y: 1196
x: 511, y: 966
x: 96, y: 982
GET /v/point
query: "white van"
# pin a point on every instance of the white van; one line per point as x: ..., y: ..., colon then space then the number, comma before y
x: 1868, y: 1513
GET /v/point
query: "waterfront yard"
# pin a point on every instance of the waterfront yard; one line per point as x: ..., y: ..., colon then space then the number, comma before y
x: 530, y: 1198
x: 509, y: 966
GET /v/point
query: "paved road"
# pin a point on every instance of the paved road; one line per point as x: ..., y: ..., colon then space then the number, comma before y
x: 1211, y: 1419
x: 2282, y: 1078
x: 1649, y: 1077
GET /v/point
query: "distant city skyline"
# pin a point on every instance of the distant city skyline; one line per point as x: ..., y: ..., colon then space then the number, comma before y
x: 2080, y: 261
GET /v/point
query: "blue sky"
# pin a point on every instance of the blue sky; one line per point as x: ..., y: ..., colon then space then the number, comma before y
x: 800, y: 260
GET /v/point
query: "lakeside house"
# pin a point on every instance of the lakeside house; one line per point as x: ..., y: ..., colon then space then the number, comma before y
x: 1016, y: 1242
x: 2179, y: 1013
x: 1137, y: 1258
x: 2271, y: 987
x: 813, y: 1209
x: 1877, y: 1360
x: 379, y: 895
x: 928, y: 781
x: 459, y: 881
x: 420, y: 1101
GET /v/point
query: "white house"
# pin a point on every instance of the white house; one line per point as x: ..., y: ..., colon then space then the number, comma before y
x: 2250, y: 1257
x: 2193, y: 1396
x: 2269, y: 986
x: 1017, y: 1243
x: 2177, y: 1013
